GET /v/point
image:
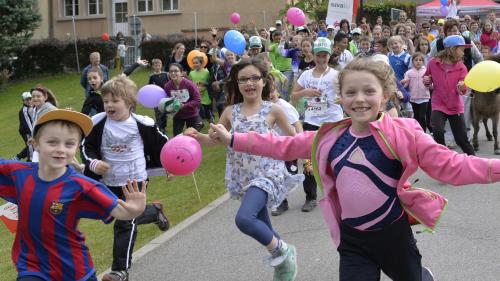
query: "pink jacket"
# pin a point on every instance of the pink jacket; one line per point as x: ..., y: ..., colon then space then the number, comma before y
x: 399, y: 138
x: 445, y: 96
x: 415, y: 80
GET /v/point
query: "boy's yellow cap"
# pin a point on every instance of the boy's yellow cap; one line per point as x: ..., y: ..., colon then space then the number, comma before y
x: 80, y: 119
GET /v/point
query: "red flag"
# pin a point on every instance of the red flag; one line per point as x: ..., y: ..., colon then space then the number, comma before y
x: 355, y: 7
x: 8, y: 214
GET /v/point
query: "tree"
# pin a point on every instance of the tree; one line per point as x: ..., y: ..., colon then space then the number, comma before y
x: 18, y: 20
x: 314, y: 9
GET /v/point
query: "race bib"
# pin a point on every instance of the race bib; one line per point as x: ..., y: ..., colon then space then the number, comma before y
x: 316, y: 108
x: 8, y: 214
x: 181, y: 95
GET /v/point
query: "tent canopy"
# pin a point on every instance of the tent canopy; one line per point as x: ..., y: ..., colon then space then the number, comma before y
x: 471, y: 7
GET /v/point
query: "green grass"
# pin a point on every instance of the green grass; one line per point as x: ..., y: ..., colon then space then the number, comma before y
x: 178, y: 196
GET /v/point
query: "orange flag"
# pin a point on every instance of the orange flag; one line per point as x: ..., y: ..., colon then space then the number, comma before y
x: 8, y: 214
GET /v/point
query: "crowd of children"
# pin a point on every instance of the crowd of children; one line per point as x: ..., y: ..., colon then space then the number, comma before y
x: 343, y: 86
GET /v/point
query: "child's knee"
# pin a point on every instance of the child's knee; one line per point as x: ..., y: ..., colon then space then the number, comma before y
x: 244, y: 222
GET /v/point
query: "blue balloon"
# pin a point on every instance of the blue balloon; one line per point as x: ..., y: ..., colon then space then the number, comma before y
x: 444, y: 2
x: 235, y: 42
x: 444, y: 11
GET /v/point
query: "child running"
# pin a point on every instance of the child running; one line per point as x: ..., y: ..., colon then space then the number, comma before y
x: 446, y: 73
x: 200, y: 77
x: 363, y: 164
x: 52, y: 198
x: 93, y: 102
x: 259, y: 182
x: 124, y: 145
x: 25, y: 127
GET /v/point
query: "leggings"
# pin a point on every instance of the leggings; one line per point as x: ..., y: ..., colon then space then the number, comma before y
x: 253, y: 219
x: 420, y: 113
x: 457, y: 124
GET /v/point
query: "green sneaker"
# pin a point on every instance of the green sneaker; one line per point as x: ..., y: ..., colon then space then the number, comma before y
x: 287, y: 270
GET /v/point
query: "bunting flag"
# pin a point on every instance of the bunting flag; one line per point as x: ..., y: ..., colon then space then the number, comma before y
x: 8, y: 214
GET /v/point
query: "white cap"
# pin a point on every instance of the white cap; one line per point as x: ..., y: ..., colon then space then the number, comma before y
x: 330, y: 26
x: 271, y: 29
x: 357, y: 30
x: 26, y: 95
x: 279, y: 22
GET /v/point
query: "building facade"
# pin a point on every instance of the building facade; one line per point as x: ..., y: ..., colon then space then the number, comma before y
x: 160, y: 17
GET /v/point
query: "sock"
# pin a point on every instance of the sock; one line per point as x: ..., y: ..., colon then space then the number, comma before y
x: 276, y: 251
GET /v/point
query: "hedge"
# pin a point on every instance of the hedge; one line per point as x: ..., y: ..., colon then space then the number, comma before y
x: 161, y: 47
x: 53, y: 56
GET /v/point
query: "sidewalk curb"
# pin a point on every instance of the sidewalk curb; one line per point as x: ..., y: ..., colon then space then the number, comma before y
x: 171, y: 233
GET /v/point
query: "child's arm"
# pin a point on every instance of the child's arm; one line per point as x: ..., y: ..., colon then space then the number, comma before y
x: 282, y: 120
x: 205, y: 139
x: 300, y: 92
x: 134, y: 204
x: 8, y: 189
x: 277, y: 147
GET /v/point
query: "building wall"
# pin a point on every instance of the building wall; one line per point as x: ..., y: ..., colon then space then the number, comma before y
x: 209, y: 13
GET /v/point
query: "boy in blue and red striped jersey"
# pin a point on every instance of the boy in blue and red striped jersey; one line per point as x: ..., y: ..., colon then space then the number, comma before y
x: 52, y: 198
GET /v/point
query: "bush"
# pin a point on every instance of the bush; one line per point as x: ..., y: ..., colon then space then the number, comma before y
x: 161, y: 47
x: 374, y: 9
x: 52, y: 56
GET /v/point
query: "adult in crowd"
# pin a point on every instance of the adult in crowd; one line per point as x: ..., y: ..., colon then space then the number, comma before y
x: 95, y: 62
x: 178, y: 56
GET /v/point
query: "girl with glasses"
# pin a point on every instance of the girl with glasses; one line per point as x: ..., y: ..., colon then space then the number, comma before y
x: 259, y: 182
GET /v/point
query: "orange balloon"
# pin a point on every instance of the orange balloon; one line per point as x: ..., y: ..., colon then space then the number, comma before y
x: 196, y: 53
x: 105, y: 37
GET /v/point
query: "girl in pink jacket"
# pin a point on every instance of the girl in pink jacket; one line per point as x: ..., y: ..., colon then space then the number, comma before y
x: 446, y: 73
x: 414, y: 78
x: 362, y: 165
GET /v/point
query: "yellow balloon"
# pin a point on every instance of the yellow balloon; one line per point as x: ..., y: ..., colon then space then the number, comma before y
x: 484, y: 76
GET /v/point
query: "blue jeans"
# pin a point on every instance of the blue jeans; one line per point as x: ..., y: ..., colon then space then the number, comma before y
x: 253, y: 219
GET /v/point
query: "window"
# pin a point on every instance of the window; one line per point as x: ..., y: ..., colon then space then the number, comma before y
x: 68, y: 7
x: 121, y: 12
x: 170, y: 5
x: 95, y: 7
x: 144, y: 6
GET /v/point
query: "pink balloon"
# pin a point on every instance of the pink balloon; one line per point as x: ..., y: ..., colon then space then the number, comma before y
x: 296, y: 16
x: 150, y: 95
x: 181, y: 155
x: 235, y: 18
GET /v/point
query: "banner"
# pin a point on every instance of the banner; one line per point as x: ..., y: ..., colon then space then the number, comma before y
x: 341, y: 9
x: 8, y: 214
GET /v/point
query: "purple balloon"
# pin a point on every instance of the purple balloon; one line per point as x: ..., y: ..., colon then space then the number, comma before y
x: 150, y: 95
x: 444, y: 11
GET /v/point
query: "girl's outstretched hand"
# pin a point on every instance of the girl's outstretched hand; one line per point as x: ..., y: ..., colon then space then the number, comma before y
x: 219, y: 133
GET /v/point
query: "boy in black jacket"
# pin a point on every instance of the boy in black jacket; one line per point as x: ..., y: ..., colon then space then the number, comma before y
x: 122, y: 146
x: 25, y: 127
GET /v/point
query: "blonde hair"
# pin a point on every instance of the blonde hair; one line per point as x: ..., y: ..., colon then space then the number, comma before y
x: 395, y: 38
x: 177, y: 46
x: 449, y: 54
x: 155, y: 61
x: 121, y: 86
x: 381, y: 70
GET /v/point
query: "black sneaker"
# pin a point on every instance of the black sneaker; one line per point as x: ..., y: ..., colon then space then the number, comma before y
x: 427, y: 274
x: 121, y: 275
x: 162, y: 223
x: 283, y: 207
x: 309, y: 205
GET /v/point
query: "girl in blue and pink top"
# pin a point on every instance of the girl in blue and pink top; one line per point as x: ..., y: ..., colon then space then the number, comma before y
x: 362, y: 164
x: 446, y: 73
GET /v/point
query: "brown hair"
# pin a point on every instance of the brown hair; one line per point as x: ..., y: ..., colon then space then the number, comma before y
x: 96, y: 70
x: 417, y: 55
x: 64, y: 123
x: 47, y: 93
x: 155, y: 61
x: 121, y: 86
x: 449, y: 24
x: 449, y: 54
x: 231, y: 86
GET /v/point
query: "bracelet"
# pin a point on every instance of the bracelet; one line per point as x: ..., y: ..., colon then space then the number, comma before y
x: 232, y: 141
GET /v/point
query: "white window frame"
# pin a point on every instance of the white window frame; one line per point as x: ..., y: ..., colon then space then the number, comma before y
x: 148, y: 8
x: 171, y: 5
x: 64, y: 5
x: 99, y: 7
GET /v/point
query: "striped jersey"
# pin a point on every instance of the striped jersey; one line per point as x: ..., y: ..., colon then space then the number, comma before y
x: 48, y: 243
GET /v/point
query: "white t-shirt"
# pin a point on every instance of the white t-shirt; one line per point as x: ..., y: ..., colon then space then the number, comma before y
x: 345, y: 58
x: 292, y: 115
x: 122, y: 50
x: 321, y: 109
x: 123, y: 149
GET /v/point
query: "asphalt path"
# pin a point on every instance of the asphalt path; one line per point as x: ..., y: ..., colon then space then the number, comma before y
x: 210, y: 247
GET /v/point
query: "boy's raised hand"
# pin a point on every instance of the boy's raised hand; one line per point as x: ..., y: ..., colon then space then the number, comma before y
x: 220, y: 134
x: 135, y: 200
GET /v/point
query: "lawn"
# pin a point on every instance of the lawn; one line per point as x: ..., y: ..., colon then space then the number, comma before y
x: 178, y: 195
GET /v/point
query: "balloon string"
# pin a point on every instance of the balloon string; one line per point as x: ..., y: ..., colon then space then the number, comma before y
x: 196, y: 186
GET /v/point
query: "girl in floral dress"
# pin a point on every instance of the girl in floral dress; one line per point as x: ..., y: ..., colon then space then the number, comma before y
x: 259, y: 182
